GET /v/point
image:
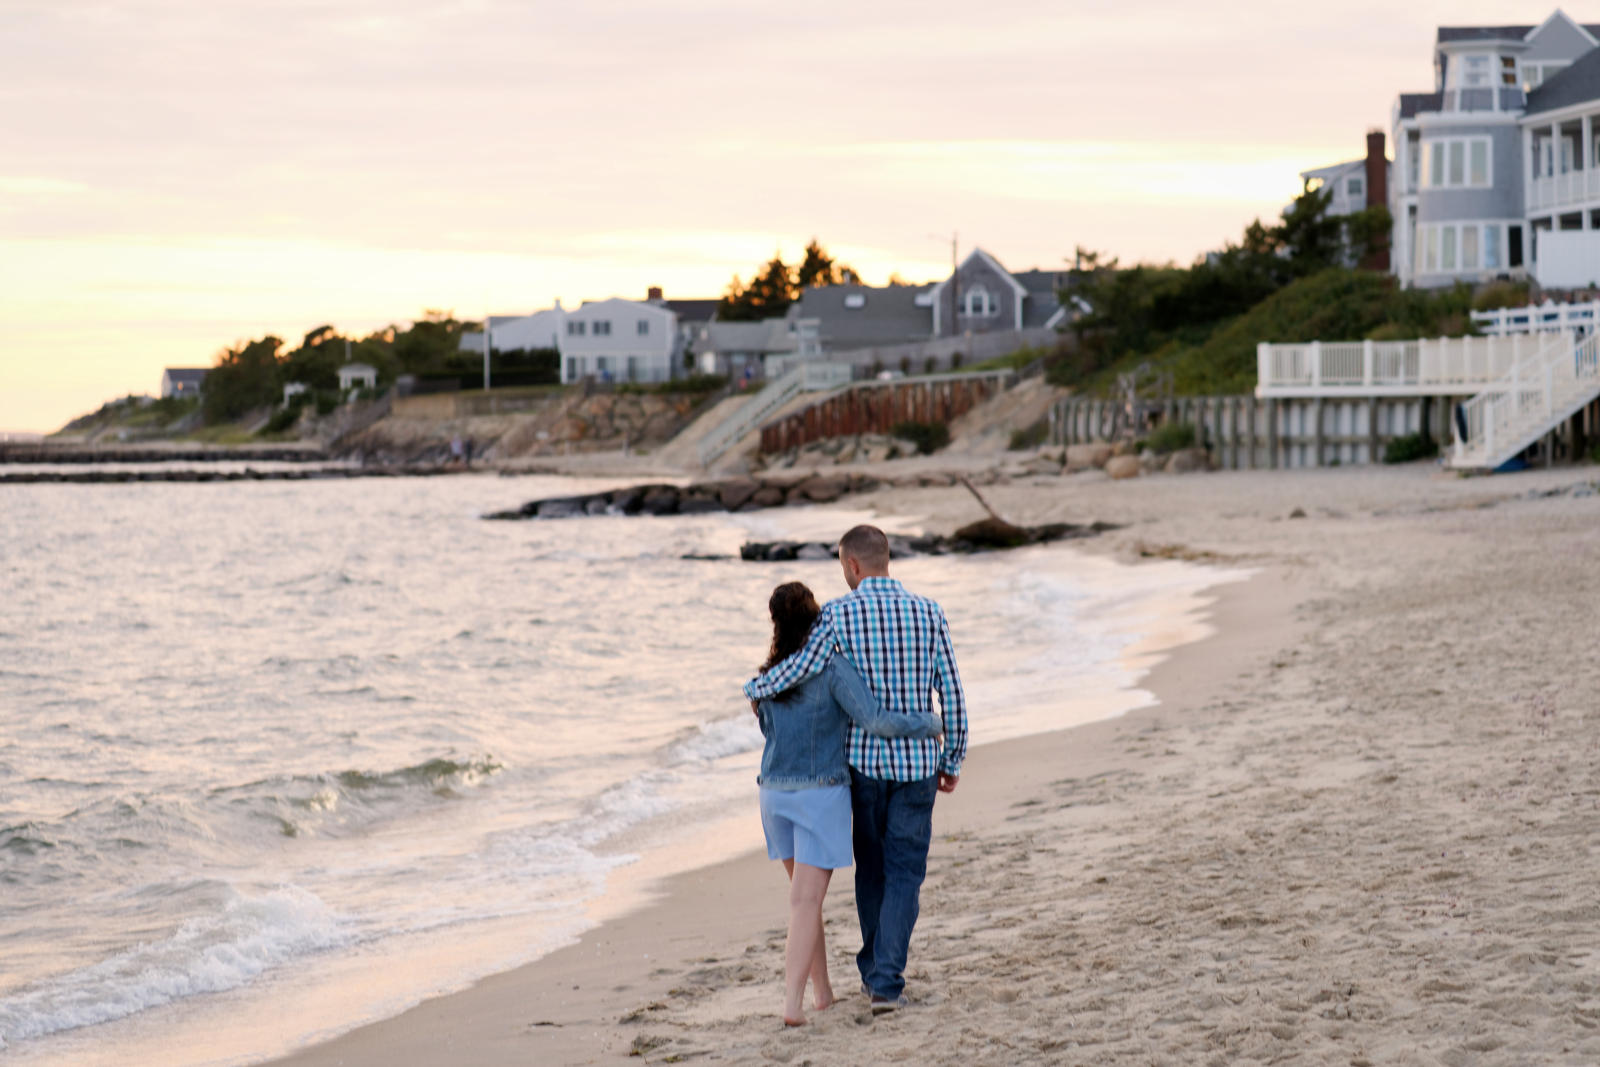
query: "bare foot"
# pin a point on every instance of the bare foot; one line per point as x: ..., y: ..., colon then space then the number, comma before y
x: 824, y: 1005
x: 794, y: 1022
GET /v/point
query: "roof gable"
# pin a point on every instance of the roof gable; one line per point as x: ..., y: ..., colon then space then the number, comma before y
x: 1576, y: 84
x: 1559, y: 22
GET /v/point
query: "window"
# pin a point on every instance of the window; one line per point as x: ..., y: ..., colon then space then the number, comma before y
x: 1414, y: 162
x: 602, y: 328
x: 1353, y: 188
x: 1469, y: 248
x: 1460, y: 163
x: 572, y: 367
x: 975, y: 301
x: 1491, y: 247
x: 574, y: 328
x: 1447, y: 248
x: 1432, y: 244
x: 1508, y: 71
x: 1475, y: 71
x: 1514, y: 246
x: 644, y: 327
x: 1536, y: 74
x: 855, y: 300
x: 633, y: 366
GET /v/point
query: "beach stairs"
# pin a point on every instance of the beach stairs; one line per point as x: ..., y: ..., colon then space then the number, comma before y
x: 1542, y: 390
x: 804, y: 378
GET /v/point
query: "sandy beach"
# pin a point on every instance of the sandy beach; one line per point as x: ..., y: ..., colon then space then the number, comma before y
x: 1354, y: 830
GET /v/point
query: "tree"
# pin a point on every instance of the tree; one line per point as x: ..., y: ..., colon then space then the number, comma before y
x: 1309, y: 238
x: 819, y: 268
x: 776, y: 286
x: 768, y: 295
x: 245, y: 377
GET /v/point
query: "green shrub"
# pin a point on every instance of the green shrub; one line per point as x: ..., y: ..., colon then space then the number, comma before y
x: 1029, y: 436
x: 929, y: 437
x: 327, y: 402
x: 1171, y: 437
x: 283, y: 419
x: 1411, y: 446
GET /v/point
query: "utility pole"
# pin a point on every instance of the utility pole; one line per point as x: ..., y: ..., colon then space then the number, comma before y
x: 955, y: 289
x: 486, y: 350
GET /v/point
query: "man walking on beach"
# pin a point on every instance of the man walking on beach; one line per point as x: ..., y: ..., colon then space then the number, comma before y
x: 901, y: 645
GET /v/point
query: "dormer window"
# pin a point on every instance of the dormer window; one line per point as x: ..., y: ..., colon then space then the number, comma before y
x: 1536, y: 74
x: 1474, y: 72
x: 977, y: 302
x: 1508, y: 72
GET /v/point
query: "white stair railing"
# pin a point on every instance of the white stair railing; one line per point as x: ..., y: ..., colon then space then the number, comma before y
x: 1541, y: 391
x: 803, y: 378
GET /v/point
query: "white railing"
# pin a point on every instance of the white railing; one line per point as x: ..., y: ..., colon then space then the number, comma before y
x: 1558, y: 190
x: 1538, y: 318
x: 1528, y: 402
x: 1423, y: 367
x: 805, y: 378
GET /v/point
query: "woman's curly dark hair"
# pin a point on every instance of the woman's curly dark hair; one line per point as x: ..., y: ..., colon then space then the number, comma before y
x: 794, y: 610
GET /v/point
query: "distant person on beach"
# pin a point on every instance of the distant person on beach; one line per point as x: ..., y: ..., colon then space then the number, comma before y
x: 901, y: 644
x: 457, y: 449
x: 805, y: 784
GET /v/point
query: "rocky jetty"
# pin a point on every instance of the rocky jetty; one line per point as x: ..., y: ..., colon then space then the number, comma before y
x: 729, y: 494
x: 249, y: 474
x: 974, y: 538
x: 66, y: 453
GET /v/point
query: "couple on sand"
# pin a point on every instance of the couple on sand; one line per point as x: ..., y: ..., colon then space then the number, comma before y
x: 854, y: 754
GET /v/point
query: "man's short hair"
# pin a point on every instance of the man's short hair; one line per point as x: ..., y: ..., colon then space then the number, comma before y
x: 866, y: 544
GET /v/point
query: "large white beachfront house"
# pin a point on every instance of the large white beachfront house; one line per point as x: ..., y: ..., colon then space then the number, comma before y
x: 608, y: 340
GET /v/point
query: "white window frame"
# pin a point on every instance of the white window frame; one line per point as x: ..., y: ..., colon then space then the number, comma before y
x: 977, y: 303
x: 644, y: 327
x: 1445, y: 152
x: 1477, y: 247
x: 1464, y: 71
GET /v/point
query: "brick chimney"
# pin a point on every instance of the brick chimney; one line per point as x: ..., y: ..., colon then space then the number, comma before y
x: 654, y: 292
x: 1377, y: 189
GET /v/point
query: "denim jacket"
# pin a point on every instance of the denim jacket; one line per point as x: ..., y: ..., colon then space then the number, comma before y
x: 805, y: 732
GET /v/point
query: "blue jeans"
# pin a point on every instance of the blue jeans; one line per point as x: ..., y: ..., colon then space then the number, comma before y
x: 892, y: 826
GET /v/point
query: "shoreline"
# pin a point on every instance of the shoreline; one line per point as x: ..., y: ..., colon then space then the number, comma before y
x: 569, y: 1006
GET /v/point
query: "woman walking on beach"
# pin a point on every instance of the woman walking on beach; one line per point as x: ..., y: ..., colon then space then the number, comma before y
x: 805, y: 784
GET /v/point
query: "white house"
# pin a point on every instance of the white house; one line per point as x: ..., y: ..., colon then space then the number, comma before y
x: 619, y: 340
x: 183, y: 381
x: 357, y: 375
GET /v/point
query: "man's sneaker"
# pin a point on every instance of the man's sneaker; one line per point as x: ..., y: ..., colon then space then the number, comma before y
x: 883, y: 1005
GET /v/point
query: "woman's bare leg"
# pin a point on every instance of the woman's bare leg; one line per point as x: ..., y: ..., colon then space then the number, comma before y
x: 805, y: 955
x: 821, y: 985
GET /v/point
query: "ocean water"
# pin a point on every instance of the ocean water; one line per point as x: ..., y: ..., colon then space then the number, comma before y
x: 277, y: 758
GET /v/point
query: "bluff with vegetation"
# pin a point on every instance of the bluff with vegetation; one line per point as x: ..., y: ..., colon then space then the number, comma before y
x: 251, y: 374
x: 1284, y: 283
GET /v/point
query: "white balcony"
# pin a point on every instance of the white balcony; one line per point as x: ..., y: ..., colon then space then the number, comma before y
x: 1571, y: 189
x: 1445, y: 366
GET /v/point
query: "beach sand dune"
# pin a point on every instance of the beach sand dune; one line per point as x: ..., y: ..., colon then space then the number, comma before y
x: 1358, y: 828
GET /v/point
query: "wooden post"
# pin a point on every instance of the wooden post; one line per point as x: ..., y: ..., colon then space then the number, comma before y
x: 1316, y: 432
x: 1216, y: 425
x: 1250, y: 431
x: 1272, y: 434
x: 1372, y: 431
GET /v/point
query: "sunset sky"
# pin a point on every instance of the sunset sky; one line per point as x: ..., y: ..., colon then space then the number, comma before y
x: 175, y: 176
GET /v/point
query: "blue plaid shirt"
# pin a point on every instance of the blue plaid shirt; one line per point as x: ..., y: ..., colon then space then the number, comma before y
x: 901, y: 645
